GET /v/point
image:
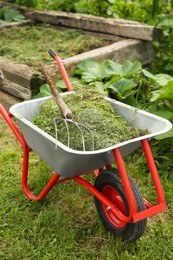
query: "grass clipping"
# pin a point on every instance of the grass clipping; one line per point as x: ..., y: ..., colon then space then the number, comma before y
x: 90, y: 109
x: 29, y: 44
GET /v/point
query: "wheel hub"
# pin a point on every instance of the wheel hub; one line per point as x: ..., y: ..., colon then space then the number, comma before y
x: 113, y: 195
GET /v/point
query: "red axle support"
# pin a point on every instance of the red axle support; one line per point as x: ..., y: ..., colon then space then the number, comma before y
x: 103, y: 199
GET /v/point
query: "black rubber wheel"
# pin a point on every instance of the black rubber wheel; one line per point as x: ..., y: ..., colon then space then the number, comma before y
x: 109, y: 183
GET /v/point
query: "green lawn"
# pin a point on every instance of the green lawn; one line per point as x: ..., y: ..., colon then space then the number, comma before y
x: 65, y: 225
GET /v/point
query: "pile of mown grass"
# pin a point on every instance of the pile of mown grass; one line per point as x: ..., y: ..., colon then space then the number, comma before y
x: 29, y: 44
x: 90, y: 109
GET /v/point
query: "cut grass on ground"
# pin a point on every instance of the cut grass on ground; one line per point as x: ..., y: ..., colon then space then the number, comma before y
x: 65, y: 224
x: 29, y: 44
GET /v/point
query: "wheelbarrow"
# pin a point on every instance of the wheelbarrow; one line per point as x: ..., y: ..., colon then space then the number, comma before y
x: 118, y: 201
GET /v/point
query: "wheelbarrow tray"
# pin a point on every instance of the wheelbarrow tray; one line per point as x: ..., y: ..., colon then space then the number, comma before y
x: 68, y: 162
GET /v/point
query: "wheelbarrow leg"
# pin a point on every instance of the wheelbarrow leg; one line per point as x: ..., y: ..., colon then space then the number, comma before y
x: 25, y: 187
x: 153, y: 171
x: 26, y: 150
x: 161, y: 204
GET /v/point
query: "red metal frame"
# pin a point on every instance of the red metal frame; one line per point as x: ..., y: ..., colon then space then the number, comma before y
x: 133, y: 216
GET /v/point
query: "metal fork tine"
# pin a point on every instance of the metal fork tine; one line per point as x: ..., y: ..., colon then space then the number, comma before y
x: 79, y: 126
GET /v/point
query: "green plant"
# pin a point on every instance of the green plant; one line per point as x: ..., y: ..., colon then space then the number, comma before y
x: 28, y: 3
x: 128, y: 82
x: 161, y: 99
x: 110, y: 78
x: 93, y: 7
x: 143, y: 11
x: 10, y: 15
x: 60, y: 85
x: 163, y: 60
x: 61, y: 5
x: 131, y: 84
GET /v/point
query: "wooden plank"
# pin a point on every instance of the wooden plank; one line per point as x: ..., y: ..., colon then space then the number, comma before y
x: 128, y: 49
x: 14, y: 24
x: 21, y: 74
x: 119, y: 27
x: 16, y: 90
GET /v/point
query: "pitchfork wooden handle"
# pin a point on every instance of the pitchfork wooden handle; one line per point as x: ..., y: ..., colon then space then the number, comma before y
x: 61, y: 103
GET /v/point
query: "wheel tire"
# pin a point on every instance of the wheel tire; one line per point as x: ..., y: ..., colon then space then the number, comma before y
x: 110, y: 185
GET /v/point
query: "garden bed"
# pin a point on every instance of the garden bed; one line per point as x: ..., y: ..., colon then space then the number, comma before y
x: 29, y: 44
x: 125, y: 40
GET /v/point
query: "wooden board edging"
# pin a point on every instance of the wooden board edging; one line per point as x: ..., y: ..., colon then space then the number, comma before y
x: 118, y: 27
x: 128, y: 49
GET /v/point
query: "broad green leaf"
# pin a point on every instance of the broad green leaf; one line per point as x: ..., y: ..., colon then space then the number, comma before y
x: 155, y: 95
x: 12, y: 15
x: 123, y: 87
x: 130, y: 100
x: 169, y: 116
x: 112, y: 68
x: 91, y: 75
x: 100, y: 87
x: 167, y: 91
x: 167, y: 21
x: 169, y: 67
x: 75, y: 82
x: 84, y: 65
x: 148, y: 74
x: 45, y: 90
x: 129, y: 68
x: 163, y: 79
x: 169, y: 134
x: 90, y: 70
x: 62, y: 86
x: 38, y: 95
x: 113, y: 80
x: 122, y: 95
x: 165, y: 114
